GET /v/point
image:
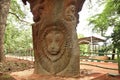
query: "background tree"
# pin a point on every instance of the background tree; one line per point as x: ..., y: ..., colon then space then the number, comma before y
x: 4, y: 9
x: 108, y: 18
x: 116, y: 42
x: 18, y: 32
x: 10, y: 21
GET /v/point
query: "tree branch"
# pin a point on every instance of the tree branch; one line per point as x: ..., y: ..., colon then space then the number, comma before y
x: 19, y: 18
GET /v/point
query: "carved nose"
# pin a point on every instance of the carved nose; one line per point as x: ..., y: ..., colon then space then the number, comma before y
x: 52, y: 47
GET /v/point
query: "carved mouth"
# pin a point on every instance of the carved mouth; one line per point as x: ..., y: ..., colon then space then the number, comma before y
x: 53, y: 52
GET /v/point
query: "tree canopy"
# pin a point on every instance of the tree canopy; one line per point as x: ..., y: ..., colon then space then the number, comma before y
x: 108, y: 18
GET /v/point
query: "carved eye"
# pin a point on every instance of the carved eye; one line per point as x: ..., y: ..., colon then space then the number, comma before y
x: 48, y: 38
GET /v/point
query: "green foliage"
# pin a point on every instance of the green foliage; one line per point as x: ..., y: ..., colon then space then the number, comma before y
x: 116, y: 37
x: 18, y: 35
x: 83, y: 48
x: 15, y: 8
x: 17, y: 39
x: 117, y: 6
x: 100, y: 23
x: 108, y: 18
x: 80, y: 35
x: 6, y: 77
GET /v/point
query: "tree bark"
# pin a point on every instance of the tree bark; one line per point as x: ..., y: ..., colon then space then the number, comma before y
x: 4, y: 9
x: 54, y: 37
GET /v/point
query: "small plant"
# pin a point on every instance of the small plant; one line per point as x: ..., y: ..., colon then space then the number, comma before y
x: 6, y: 77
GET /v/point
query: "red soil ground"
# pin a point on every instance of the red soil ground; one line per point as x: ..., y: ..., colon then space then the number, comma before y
x: 100, y: 70
x: 94, y: 73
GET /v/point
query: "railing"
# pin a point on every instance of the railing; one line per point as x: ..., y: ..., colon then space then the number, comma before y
x: 90, y: 57
x: 28, y: 55
x: 22, y: 54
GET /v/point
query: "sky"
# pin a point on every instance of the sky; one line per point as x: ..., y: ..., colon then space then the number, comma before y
x: 88, y: 10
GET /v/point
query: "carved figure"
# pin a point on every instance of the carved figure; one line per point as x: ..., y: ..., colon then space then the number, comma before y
x: 70, y: 13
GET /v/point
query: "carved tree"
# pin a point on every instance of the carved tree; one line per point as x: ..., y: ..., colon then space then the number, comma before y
x: 4, y: 8
x: 54, y: 36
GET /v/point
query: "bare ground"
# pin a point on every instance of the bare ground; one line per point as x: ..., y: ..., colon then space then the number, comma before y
x: 16, y: 69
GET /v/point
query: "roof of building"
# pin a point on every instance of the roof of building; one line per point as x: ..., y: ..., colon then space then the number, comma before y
x: 88, y: 40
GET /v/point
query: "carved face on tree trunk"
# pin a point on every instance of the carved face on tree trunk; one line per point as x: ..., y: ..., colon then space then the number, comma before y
x: 54, y: 41
x: 54, y: 48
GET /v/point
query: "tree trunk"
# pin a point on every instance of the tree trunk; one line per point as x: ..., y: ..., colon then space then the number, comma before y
x: 113, y: 55
x: 55, y: 40
x: 4, y: 9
